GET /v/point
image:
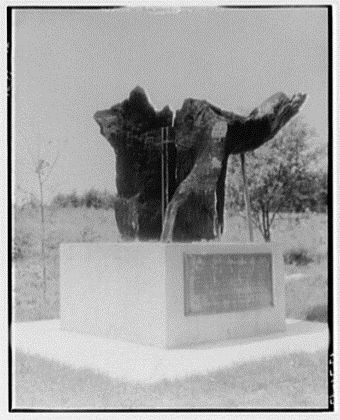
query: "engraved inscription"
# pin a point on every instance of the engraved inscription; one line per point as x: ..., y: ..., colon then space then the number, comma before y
x: 216, y: 283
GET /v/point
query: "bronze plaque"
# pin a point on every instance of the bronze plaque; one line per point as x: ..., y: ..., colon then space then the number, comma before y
x: 215, y: 283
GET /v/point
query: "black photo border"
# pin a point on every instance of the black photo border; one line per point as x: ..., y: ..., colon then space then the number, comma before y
x: 11, y: 409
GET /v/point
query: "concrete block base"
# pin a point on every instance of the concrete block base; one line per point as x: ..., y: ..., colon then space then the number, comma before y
x: 172, y: 295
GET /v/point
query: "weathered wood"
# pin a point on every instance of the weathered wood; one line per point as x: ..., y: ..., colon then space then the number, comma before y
x: 197, y: 163
x: 133, y: 129
x: 244, y: 134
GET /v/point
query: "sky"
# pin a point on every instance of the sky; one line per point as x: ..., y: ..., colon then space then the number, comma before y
x: 70, y: 63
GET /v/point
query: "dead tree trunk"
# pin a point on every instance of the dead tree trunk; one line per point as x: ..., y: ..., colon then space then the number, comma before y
x: 244, y: 134
x: 197, y: 163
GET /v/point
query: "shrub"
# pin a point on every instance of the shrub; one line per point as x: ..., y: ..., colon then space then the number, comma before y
x: 92, y: 198
x: 298, y: 256
x: 74, y: 199
x: 317, y: 313
x: 88, y: 234
x: 60, y: 200
x: 17, y: 252
x: 67, y: 200
x: 21, y: 242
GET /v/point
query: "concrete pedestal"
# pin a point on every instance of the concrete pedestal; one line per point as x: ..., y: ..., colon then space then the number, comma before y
x: 156, y: 294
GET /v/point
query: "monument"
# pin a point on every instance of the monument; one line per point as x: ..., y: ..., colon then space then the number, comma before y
x: 196, y: 159
x: 178, y: 284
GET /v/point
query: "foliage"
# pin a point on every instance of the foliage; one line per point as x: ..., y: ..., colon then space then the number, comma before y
x: 21, y: 243
x: 98, y: 200
x: 92, y: 198
x: 67, y: 200
x: 305, y: 290
x: 298, y: 256
x: 281, y: 177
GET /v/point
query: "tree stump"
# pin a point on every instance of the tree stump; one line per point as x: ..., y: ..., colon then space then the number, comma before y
x: 197, y: 162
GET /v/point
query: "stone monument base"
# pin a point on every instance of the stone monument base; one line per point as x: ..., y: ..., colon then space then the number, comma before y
x: 171, y: 295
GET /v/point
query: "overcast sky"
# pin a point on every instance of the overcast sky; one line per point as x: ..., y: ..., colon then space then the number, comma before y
x: 71, y: 63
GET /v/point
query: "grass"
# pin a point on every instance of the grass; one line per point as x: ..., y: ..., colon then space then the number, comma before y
x: 307, y: 293
x: 294, y: 381
x: 63, y: 225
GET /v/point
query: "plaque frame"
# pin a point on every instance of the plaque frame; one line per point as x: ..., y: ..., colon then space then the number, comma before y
x: 188, y: 293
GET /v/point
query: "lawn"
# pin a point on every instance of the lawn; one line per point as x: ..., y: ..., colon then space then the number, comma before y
x: 294, y: 381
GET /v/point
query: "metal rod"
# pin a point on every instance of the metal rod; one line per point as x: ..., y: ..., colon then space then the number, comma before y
x: 166, y: 198
x: 162, y: 173
x: 246, y: 197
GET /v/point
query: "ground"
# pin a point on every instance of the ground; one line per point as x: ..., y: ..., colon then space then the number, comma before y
x: 295, y: 381
x: 298, y: 380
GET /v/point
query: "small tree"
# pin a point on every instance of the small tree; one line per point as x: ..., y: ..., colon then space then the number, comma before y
x: 277, y: 173
x: 43, y: 169
x: 43, y: 161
